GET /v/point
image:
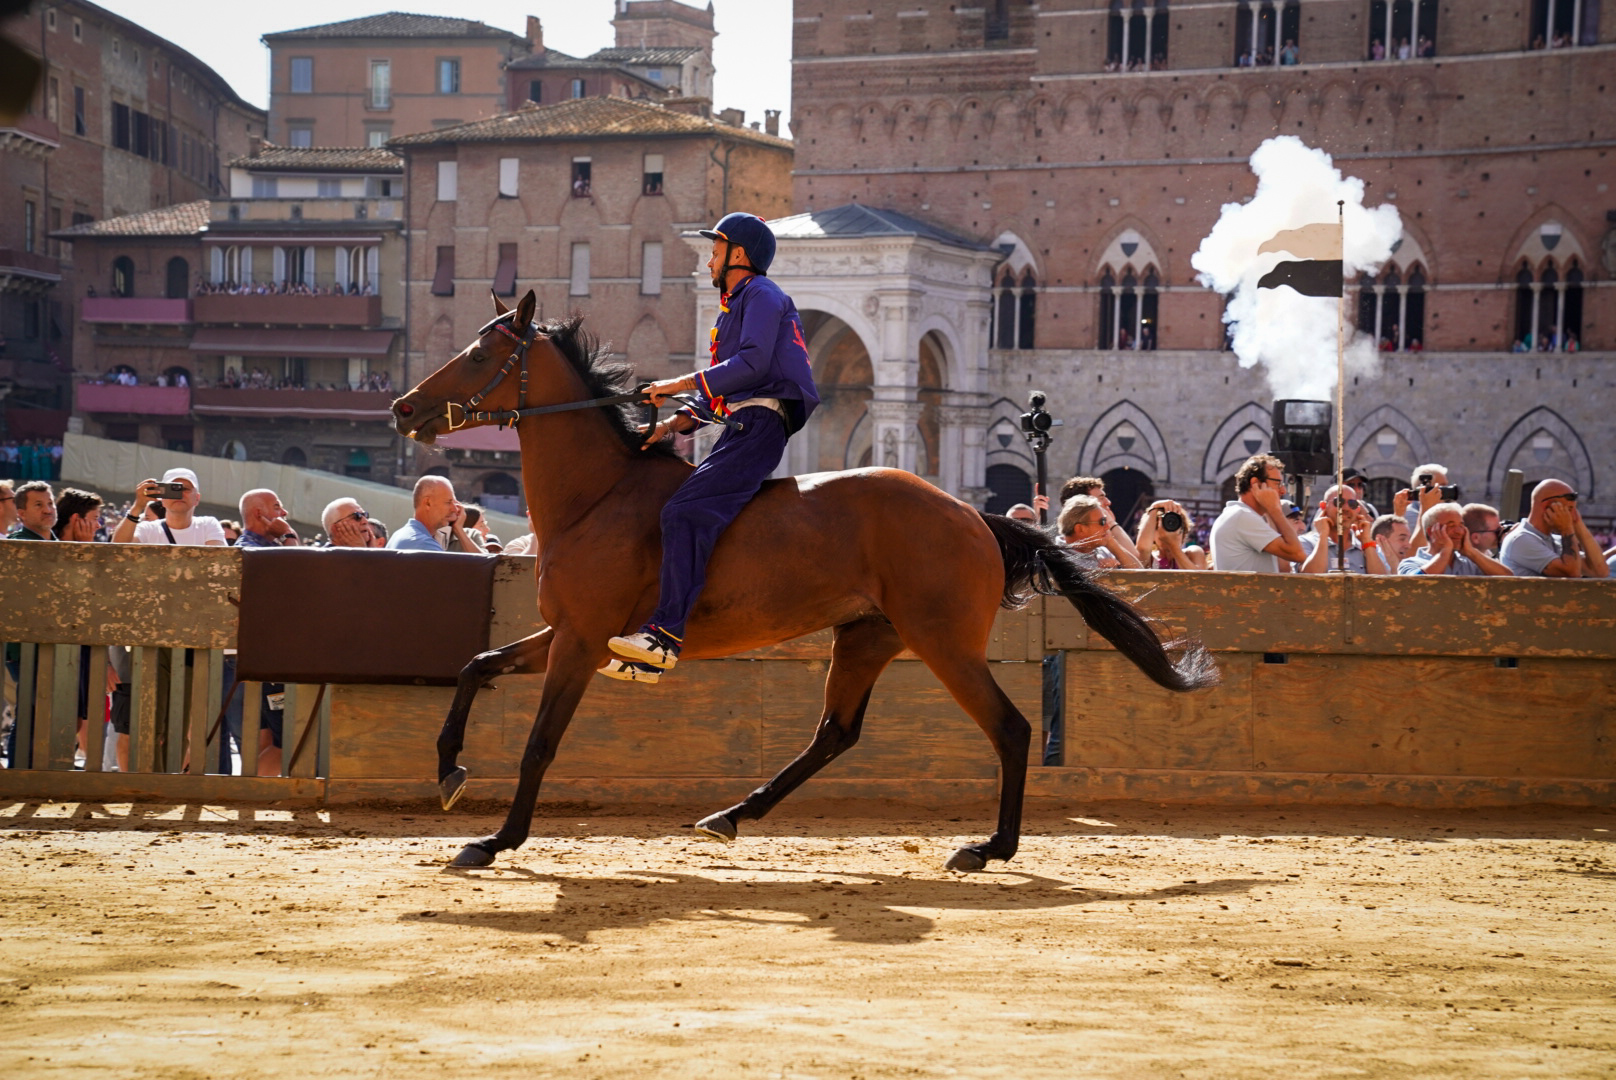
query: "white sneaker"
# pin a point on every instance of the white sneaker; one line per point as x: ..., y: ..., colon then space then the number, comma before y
x: 630, y: 671
x: 652, y: 647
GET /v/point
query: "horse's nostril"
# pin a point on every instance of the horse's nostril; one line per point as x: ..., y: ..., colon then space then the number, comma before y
x: 404, y: 408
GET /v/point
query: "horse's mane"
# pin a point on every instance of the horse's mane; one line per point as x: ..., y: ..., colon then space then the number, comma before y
x: 603, y: 377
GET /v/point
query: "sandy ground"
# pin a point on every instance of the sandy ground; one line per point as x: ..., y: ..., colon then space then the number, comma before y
x: 1124, y: 941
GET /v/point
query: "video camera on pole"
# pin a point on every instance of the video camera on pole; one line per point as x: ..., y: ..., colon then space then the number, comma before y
x: 1035, y: 428
x: 1301, y: 441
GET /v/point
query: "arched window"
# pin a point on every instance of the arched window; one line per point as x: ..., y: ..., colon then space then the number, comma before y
x: 1548, y: 308
x: 179, y: 278
x: 1136, y: 35
x: 1525, y: 310
x: 1015, y: 310
x: 234, y: 450
x: 1402, y: 29
x: 1148, y: 308
x: 123, y: 276
x: 1561, y: 24
x: 1571, y: 309
x: 1268, y: 33
x: 177, y: 376
x: 1028, y: 314
x: 1392, y: 312
x: 294, y: 456
x: 1128, y: 312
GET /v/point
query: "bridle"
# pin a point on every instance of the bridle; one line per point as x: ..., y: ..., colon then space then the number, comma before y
x: 469, y: 412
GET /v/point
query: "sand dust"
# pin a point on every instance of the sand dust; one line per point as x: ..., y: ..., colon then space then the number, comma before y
x: 1124, y: 941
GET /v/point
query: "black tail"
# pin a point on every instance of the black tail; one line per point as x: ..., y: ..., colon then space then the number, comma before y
x: 1034, y: 563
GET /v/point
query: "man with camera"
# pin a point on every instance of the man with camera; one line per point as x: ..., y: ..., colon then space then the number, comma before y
x: 1163, y: 539
x: 1554, y: 541
x: 1449, y: 550
x: 1427, y: 486
x: 177, y: 495
x: 1341, y: 512
x: 1252, y: 534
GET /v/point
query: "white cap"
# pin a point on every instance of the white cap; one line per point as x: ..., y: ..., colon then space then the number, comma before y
x: 182, y: 474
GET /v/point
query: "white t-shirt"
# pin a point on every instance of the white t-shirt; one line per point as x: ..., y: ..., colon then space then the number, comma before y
x: 198, y: 532
x: 1238, y: 538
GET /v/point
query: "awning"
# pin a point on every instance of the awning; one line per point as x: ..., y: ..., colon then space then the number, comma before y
x: 344, y: 343
x: 487, y: 437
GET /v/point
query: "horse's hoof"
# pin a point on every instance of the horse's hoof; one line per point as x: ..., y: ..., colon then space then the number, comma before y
x: 453, y: 786
x: 965, y: 861
x: 473, y: 855
x: 716, y: 827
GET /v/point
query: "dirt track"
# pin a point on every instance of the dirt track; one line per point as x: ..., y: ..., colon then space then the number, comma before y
x: 1123, y: 941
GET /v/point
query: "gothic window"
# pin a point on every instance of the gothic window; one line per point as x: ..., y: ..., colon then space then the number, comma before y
x: 1015, y: 310
x: 1028, y: 310
x: 1548, y: 308
x: 1128, y: 311
x: 1136, y: 35
x: 1392, y: 311
x: 1402, y: 29
x: 1560, y: 24
x: 1268, y: 33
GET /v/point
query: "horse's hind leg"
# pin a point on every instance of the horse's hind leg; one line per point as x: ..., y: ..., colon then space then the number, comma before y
x: 526, y: 657
x: 862, y: 651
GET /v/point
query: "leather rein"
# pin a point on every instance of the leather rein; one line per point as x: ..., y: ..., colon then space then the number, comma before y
x: 469, y: 412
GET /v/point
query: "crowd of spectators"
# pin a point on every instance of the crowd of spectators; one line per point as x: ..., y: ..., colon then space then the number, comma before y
x: 284, y: 288
x: 31, y: 459
x: 1422, y: 48
x: 1138, y: 63
x: 258, y: 378
x: 1289, y: 56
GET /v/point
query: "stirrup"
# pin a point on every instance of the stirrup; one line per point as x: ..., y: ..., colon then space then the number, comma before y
x: 647, y: 647
x: 630, y: 671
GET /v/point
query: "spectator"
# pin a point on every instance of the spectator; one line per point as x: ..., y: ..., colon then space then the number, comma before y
x: 78, y: 516
x: 347, y: 524
x: 435, y: 507
x: 1085, y: 527
x: 1450, y: 550
x: 1119, y: 541
x: 8, y: 508
x: 1340, y: 506
x: 232, y: 530
x: 179, y: 523
x: 526, y: 544
x: 1422, y: 494
x: 1481, y: 521
x: 379, y: 531
x: 1391, y: 534
x: 36, y: 512
x: 1355, y: 479
x: 263, y: 520
x: 1168, y: 549
x: 1290, y: 55
x: 1022, y: 512
x: 1253, y: 534
x: 457, y: 540
x: 1531, y: 550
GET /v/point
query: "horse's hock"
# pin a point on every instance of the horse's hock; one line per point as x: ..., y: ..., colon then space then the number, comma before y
x: 1421, y: 692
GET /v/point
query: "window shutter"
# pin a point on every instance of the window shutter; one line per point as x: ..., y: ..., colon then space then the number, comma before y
x: 216, y: 265
x: 280, y: 264
x: 373, y: 258
x: 448, y: 180
x: 342, y: 276
x: 308, y: 266
x: 653, y: 163
x: 507, y: 177
x: 580, y: 270
x: 246, y: 265
x: 651, y: 269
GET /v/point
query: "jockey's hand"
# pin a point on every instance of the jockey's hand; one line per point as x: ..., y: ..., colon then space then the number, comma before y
x: 660, y: 392
x: 655, y: 434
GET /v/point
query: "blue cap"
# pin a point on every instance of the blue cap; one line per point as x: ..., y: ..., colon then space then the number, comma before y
x: 750, y: 232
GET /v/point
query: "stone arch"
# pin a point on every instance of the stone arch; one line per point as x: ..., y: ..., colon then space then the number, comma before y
x: 1410, y: 250
x: 1230, y: 442
x: 1020, y: 256
x: 1533, y: 243
x: 1520, y: 439
x: 845, y: 376
x: 950, y: 356
x: 1375, y: 456
x: 1125, y: 436
x: 1005, y: 446
x: 1130, y: 243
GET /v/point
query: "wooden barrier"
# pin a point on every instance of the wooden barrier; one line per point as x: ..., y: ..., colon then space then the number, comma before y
x: 1446, y: 692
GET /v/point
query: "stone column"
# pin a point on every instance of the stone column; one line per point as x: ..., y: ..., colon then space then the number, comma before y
x: 962, y: 453
x: 893, y: 439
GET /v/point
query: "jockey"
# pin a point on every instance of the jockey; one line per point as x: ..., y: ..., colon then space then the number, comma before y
x: 759, y: 374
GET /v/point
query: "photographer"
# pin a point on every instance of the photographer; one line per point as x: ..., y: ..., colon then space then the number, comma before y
x: 178, y: 494
x: 1340, y: 511
x: 1532, y: 550
x: 1450, y: 550
x: 1425, y: 489
x: 1163, y: 540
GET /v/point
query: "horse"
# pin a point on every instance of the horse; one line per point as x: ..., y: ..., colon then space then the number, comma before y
x: 886, y: 559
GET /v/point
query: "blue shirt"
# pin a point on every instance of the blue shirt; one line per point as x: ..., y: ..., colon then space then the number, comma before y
x: 250, y: 539
x: 413, y: 536
x: 758, y: 351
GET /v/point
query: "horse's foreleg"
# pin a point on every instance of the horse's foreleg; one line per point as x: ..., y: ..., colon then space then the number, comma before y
x: 570, y: 668
x: 862, y: 651
x: 526, y: 657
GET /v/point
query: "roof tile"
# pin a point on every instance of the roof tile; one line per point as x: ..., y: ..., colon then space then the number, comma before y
x: 394, y: 24
x: 180, y: 219
x: 321, y: 159
x: 584, y: 118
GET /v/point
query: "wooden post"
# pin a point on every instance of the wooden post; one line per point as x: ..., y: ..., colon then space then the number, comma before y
x: 22, y: 741
x: 252, y: 700
x: 198, y: 719
x: 174, y: 722
x: 62, y: 735
x: 289, y: 726
x: 95, y: 719
x: 143, y: 671
x: 44, y: 699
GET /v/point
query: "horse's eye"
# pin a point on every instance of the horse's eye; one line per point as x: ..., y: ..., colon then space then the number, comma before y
x: 478, y: 356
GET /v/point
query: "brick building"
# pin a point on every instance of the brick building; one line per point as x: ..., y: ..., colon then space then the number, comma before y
x: 584, y: 202
x: 123, y: 122
x: 261, y: 326
x: 1092, y: 144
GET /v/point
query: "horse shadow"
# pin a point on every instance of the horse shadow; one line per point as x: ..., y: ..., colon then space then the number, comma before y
x: 864, y: 908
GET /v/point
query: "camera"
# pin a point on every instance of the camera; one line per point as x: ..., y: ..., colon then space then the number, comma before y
x: 1426, y: 480
x: 1450, y: 492
x: 176, y: 490
x: 1172, y: 521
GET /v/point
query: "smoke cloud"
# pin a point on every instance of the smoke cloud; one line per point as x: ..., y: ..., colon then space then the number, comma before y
x: 1291, y: 335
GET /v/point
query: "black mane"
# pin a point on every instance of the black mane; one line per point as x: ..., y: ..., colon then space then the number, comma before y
x: 602, y: 377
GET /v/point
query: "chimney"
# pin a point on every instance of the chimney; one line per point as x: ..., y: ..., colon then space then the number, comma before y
x: 255, y: 146
x: 733, y: 117
x: 535, y: 34
x: 771, y: 121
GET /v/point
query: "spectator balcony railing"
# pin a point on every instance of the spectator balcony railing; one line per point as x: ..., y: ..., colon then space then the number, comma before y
x: 278, y: 309
x: 30, y: 136
x: 135, y: 309
x: 27, y: 272
x: 89, y: 397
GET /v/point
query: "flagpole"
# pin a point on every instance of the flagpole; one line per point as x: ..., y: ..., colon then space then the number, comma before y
x: 1340, y: 396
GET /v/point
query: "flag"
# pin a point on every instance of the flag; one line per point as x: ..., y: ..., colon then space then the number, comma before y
x: 1316, y: 270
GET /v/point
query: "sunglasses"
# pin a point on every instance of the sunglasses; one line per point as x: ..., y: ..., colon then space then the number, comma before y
x: 1569, y: 496
x: 357, y: 515
x: 1350, y: 504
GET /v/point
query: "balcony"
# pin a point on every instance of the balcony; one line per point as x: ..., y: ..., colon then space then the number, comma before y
x: 361, y: 405
x: 27, y: 272
x: 132, y: 400
x: 30, y: 136
x: 277, y: 310
x: 135, y: 309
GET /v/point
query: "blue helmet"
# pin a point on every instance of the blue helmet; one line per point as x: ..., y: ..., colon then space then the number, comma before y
x: 750, y: 232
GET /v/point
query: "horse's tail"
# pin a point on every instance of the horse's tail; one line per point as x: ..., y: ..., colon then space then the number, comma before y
x: 1034, y: 563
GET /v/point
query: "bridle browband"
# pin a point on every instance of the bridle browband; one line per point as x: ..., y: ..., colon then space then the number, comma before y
x: 508, y: 417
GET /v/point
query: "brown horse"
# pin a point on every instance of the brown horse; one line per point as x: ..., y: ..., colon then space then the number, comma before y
x: 880, y: 555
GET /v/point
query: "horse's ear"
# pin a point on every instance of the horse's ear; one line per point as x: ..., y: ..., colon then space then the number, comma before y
x: 525, y: 308
x: 499, y: 308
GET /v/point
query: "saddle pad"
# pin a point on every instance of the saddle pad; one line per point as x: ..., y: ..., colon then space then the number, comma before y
x: 336, y: 615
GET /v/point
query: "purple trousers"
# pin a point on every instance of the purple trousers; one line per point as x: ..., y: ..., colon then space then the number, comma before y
x: 703, y: 507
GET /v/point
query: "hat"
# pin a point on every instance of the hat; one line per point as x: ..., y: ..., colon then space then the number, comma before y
x: 1290, y: 509
x: 751, y: 233
x: 182, y: 474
